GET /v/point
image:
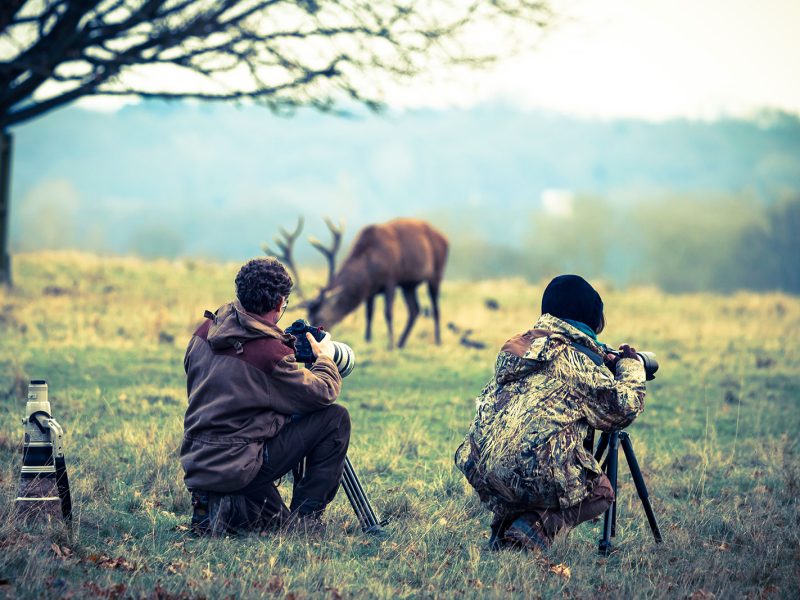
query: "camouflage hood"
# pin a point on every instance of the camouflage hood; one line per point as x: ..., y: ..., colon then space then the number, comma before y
x: 233, y: 326
x: 525, y: 445
x: 527, y: 351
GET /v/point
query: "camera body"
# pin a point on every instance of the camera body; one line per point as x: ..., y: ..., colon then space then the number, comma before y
x: 648, y: 359
x: 343, y: 356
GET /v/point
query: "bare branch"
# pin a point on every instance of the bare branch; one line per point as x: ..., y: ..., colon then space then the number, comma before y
x: 279, y: 53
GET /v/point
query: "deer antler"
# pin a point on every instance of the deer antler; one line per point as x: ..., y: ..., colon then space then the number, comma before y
x: 285, y: 244
x: 330, y: 252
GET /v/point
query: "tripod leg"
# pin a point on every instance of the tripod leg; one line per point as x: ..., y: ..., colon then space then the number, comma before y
x: 614, y: 511
x: 602, y: 444
x: 347, y: 486
x: 359, y: 501
x: 638, y: 481
x: 361, y: 498
x: 611, y: 473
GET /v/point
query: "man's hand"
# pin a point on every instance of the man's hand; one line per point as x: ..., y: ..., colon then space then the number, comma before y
x: 627, y: 352
x: 323, y: 347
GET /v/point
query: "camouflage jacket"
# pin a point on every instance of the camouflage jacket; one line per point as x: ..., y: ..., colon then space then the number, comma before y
x: 525, y: 445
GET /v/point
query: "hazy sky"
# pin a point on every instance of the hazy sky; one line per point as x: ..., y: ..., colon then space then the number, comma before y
x: 641, y: 58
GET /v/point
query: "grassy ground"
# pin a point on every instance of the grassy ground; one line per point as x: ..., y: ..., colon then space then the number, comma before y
x: 717, y: 444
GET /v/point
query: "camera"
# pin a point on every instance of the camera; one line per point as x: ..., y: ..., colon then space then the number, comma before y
x: 648, y: 359
x: 343, y: 356
x: 43, y: 482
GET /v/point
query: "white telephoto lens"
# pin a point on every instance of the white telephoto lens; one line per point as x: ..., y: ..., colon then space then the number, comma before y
x: 344, y: 358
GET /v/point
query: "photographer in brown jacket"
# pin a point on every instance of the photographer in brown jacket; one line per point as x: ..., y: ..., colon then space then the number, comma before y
x: 254, y: 413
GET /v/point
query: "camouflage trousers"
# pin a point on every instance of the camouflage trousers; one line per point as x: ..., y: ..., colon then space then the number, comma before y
x: 552, y: 521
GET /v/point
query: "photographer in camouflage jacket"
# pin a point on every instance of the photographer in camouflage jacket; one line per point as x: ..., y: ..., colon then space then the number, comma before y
x: 524, y: 452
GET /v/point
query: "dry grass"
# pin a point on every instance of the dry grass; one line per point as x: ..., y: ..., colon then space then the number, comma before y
x: 717, y: 443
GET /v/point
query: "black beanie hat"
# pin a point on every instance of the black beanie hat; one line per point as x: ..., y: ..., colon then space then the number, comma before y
x: 572, y: 297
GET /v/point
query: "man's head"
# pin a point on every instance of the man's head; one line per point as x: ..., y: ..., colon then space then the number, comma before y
x: 571, y: 297
x: 262, y: 284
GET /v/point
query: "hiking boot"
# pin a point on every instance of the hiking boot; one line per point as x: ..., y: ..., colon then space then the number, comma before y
x: 217, y: 515
x: 305, y: 523
x: 496, y: 538
x: 528, y: 534
x: 201, y: 524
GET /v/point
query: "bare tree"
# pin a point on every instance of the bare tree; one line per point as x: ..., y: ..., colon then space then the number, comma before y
x: 277, y: 53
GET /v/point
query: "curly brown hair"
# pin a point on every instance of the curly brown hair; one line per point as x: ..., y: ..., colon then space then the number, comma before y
x: 261, y: 283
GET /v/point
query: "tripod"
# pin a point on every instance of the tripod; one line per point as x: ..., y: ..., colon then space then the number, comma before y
x: 611, y: 441
x: 359, y: 501
x: 356, y: 495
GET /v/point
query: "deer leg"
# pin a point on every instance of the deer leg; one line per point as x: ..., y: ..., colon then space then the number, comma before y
x: 370, y: 304
x: 433, y: 291
x: 388, y: 304
x: 410, y: 295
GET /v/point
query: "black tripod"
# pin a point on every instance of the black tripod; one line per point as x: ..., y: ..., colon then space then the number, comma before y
x: 611, y: 441
x: 359, y: 501
x: 356, y: 495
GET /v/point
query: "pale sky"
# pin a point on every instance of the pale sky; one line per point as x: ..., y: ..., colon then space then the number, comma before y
x: 651, y: 59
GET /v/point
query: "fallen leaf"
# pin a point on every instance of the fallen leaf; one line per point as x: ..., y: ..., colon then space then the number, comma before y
x: 334, y: 594
x: 701, y: 595
x: 175, y: 566
x: 101, y: 560
x: 768, y: 591
x: 61, y: 552
x: 275, y: 584
x: 113, y: 592
x: 724, y: 547
x: 561, y: 570
x: 207, y: 573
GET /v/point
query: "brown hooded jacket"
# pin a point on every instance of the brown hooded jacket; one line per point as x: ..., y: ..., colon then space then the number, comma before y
x: 244, y: 385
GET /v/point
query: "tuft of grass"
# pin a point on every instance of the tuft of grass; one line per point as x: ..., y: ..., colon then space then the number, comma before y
x: 717, y: 444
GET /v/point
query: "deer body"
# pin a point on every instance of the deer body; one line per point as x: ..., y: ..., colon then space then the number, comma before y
x: 401, y: 253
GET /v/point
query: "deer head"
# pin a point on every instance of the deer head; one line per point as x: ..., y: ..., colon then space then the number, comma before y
x: 285, y: 244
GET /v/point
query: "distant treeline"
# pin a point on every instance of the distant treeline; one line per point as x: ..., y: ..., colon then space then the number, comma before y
x: 680, y: 244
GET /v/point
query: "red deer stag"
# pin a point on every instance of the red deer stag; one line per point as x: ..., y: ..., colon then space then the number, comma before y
x: 401, y: 253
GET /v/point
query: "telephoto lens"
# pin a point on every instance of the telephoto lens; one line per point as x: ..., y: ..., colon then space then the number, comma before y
x: 344, y: 358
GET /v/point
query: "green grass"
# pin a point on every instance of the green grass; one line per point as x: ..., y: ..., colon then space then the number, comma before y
x: 717, y: 444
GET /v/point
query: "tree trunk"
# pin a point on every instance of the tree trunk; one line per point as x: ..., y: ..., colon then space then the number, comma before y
x: 6, y: 143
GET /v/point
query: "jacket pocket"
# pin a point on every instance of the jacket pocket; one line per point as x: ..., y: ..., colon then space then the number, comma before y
x: 221, y: 441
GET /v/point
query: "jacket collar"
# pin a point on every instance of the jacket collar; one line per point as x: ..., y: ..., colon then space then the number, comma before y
x: 233, y: 326
x: 572, y: 333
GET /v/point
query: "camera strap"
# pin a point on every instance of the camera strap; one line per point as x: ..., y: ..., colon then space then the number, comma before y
x: 594, y: 356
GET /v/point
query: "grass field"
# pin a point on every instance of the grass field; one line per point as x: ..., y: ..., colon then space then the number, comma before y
x: 717, y: 442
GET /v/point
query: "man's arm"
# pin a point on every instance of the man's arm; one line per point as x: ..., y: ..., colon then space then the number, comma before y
x: 618, y: 400
x: 296, y: 390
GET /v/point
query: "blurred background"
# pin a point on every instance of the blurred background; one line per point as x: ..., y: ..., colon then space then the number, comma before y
x: 644, y: 142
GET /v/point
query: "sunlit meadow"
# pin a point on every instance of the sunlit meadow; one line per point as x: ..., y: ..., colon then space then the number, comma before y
x: 717, y: 444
